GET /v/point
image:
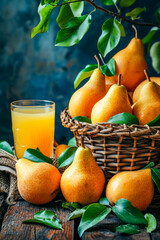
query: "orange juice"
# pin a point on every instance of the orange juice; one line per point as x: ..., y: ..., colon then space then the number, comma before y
x: 33, y: 127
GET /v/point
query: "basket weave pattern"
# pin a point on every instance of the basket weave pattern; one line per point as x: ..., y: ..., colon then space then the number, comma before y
x: 117, y: 147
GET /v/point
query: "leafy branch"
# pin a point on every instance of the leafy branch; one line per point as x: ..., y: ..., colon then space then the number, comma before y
x: 74, y: 25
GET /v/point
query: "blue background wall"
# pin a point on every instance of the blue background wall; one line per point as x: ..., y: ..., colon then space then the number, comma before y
x: 36, y: 69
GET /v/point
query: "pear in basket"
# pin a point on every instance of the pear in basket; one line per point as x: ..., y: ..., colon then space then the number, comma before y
x: 147, y: 107
x: 130, y: 62
x: 115, y: 101
x: 83, y: 181
x: 83, y: 100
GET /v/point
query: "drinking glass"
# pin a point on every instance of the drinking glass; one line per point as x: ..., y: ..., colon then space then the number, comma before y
x: 33, y: 124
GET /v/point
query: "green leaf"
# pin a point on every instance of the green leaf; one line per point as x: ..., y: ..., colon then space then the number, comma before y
x: 127, y: 213
x: 44, y: 12
x: 76, y: 214
x: 73, y: 31
x: 155, y: 122
x: 123, y: 34
x: 110, y: 36
x: 94, y: 214
x: 128, y: 229
x: 71, y: 206
x: 155, y: 173
x: 46, y: 217
x: 155, y: 53
x: 158, y: 15
x: 135, y: 12
x: 109, y: 2
x: 150, y: 35
x: 151, y: 164
x: 66, y: 157
x: 69, y: 11
x: 6, y: 147
x: 152, y: 223
x: 124, y: 117
x: 128, y: 3
x: 104, y: 201
x: 72, y: 142
x: 77, y: 8
x: 84, y: 73
x: 109, y: 68
x: 36, y: 156
x: 82, y: 119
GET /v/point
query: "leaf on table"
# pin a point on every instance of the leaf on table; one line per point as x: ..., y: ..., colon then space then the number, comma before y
x: 35, y: 155
x: 127, y: 213
x: 69, y: 11
x: 93, y: 214
x: 124, y: 118
x: 128, y: 3
x: 6, y: 147
x: 73, y: 31
x: 104, y: 201
x: 110, y: 36
x: 155, y: 122
x: 128, y: 229
x: 71, y: 206
x: 109, y: 68
x: 155, y: 173
x: 152, y: 223
x: 66, y: 157
x: 135, y: 12
x: 76, y: 213
x: 46, y: 217
x: 82, y: 119
x: 44, y: 12
x: 151, y: 164
x: 72, y: 142
x: 84, y: 73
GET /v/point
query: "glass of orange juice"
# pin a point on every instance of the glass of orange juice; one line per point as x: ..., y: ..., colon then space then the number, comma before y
x: 33, y: 124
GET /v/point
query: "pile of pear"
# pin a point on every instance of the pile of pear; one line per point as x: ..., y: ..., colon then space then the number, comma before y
x: 130, y: 90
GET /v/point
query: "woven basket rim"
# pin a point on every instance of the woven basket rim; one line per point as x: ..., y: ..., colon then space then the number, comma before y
x: 109, y: 129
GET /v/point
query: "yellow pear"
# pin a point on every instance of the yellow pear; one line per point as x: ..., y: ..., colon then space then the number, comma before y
x: 83, y: 100
x: 83, y: 181
x: 130, y: 62
x: 115, y: 101
x: 147, y: 107
x: 38, y: 183
x: 138, y: 89
x: 135, y: 186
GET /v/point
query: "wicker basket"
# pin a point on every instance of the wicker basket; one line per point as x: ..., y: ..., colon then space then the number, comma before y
x: 118, y: 147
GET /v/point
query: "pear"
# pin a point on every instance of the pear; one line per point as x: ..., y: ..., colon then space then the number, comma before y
x: 130, y: 62
x: 115, y: 101
x: 147, y: 107
x: 83, y: 100
x: 83, y: 181
x: 38, y: 183
x: 135, y: 186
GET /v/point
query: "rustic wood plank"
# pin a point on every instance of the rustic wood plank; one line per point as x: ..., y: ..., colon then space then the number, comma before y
x: 12, y: 227
x: 102, y: 234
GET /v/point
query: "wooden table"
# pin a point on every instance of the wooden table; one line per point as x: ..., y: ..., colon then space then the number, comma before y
x: 12, y: 227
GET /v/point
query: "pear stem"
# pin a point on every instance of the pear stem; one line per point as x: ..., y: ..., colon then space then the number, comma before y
x: 119, y: 79
x: 82, y: 141
x: 147, y: 75
x: 136, y: 32
x: 96, y: 57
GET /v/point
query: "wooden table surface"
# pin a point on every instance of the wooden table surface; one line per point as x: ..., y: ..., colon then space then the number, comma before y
x: 11, y: 225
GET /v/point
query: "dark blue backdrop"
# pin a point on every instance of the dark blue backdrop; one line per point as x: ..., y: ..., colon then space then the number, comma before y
x: 36, y: 69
